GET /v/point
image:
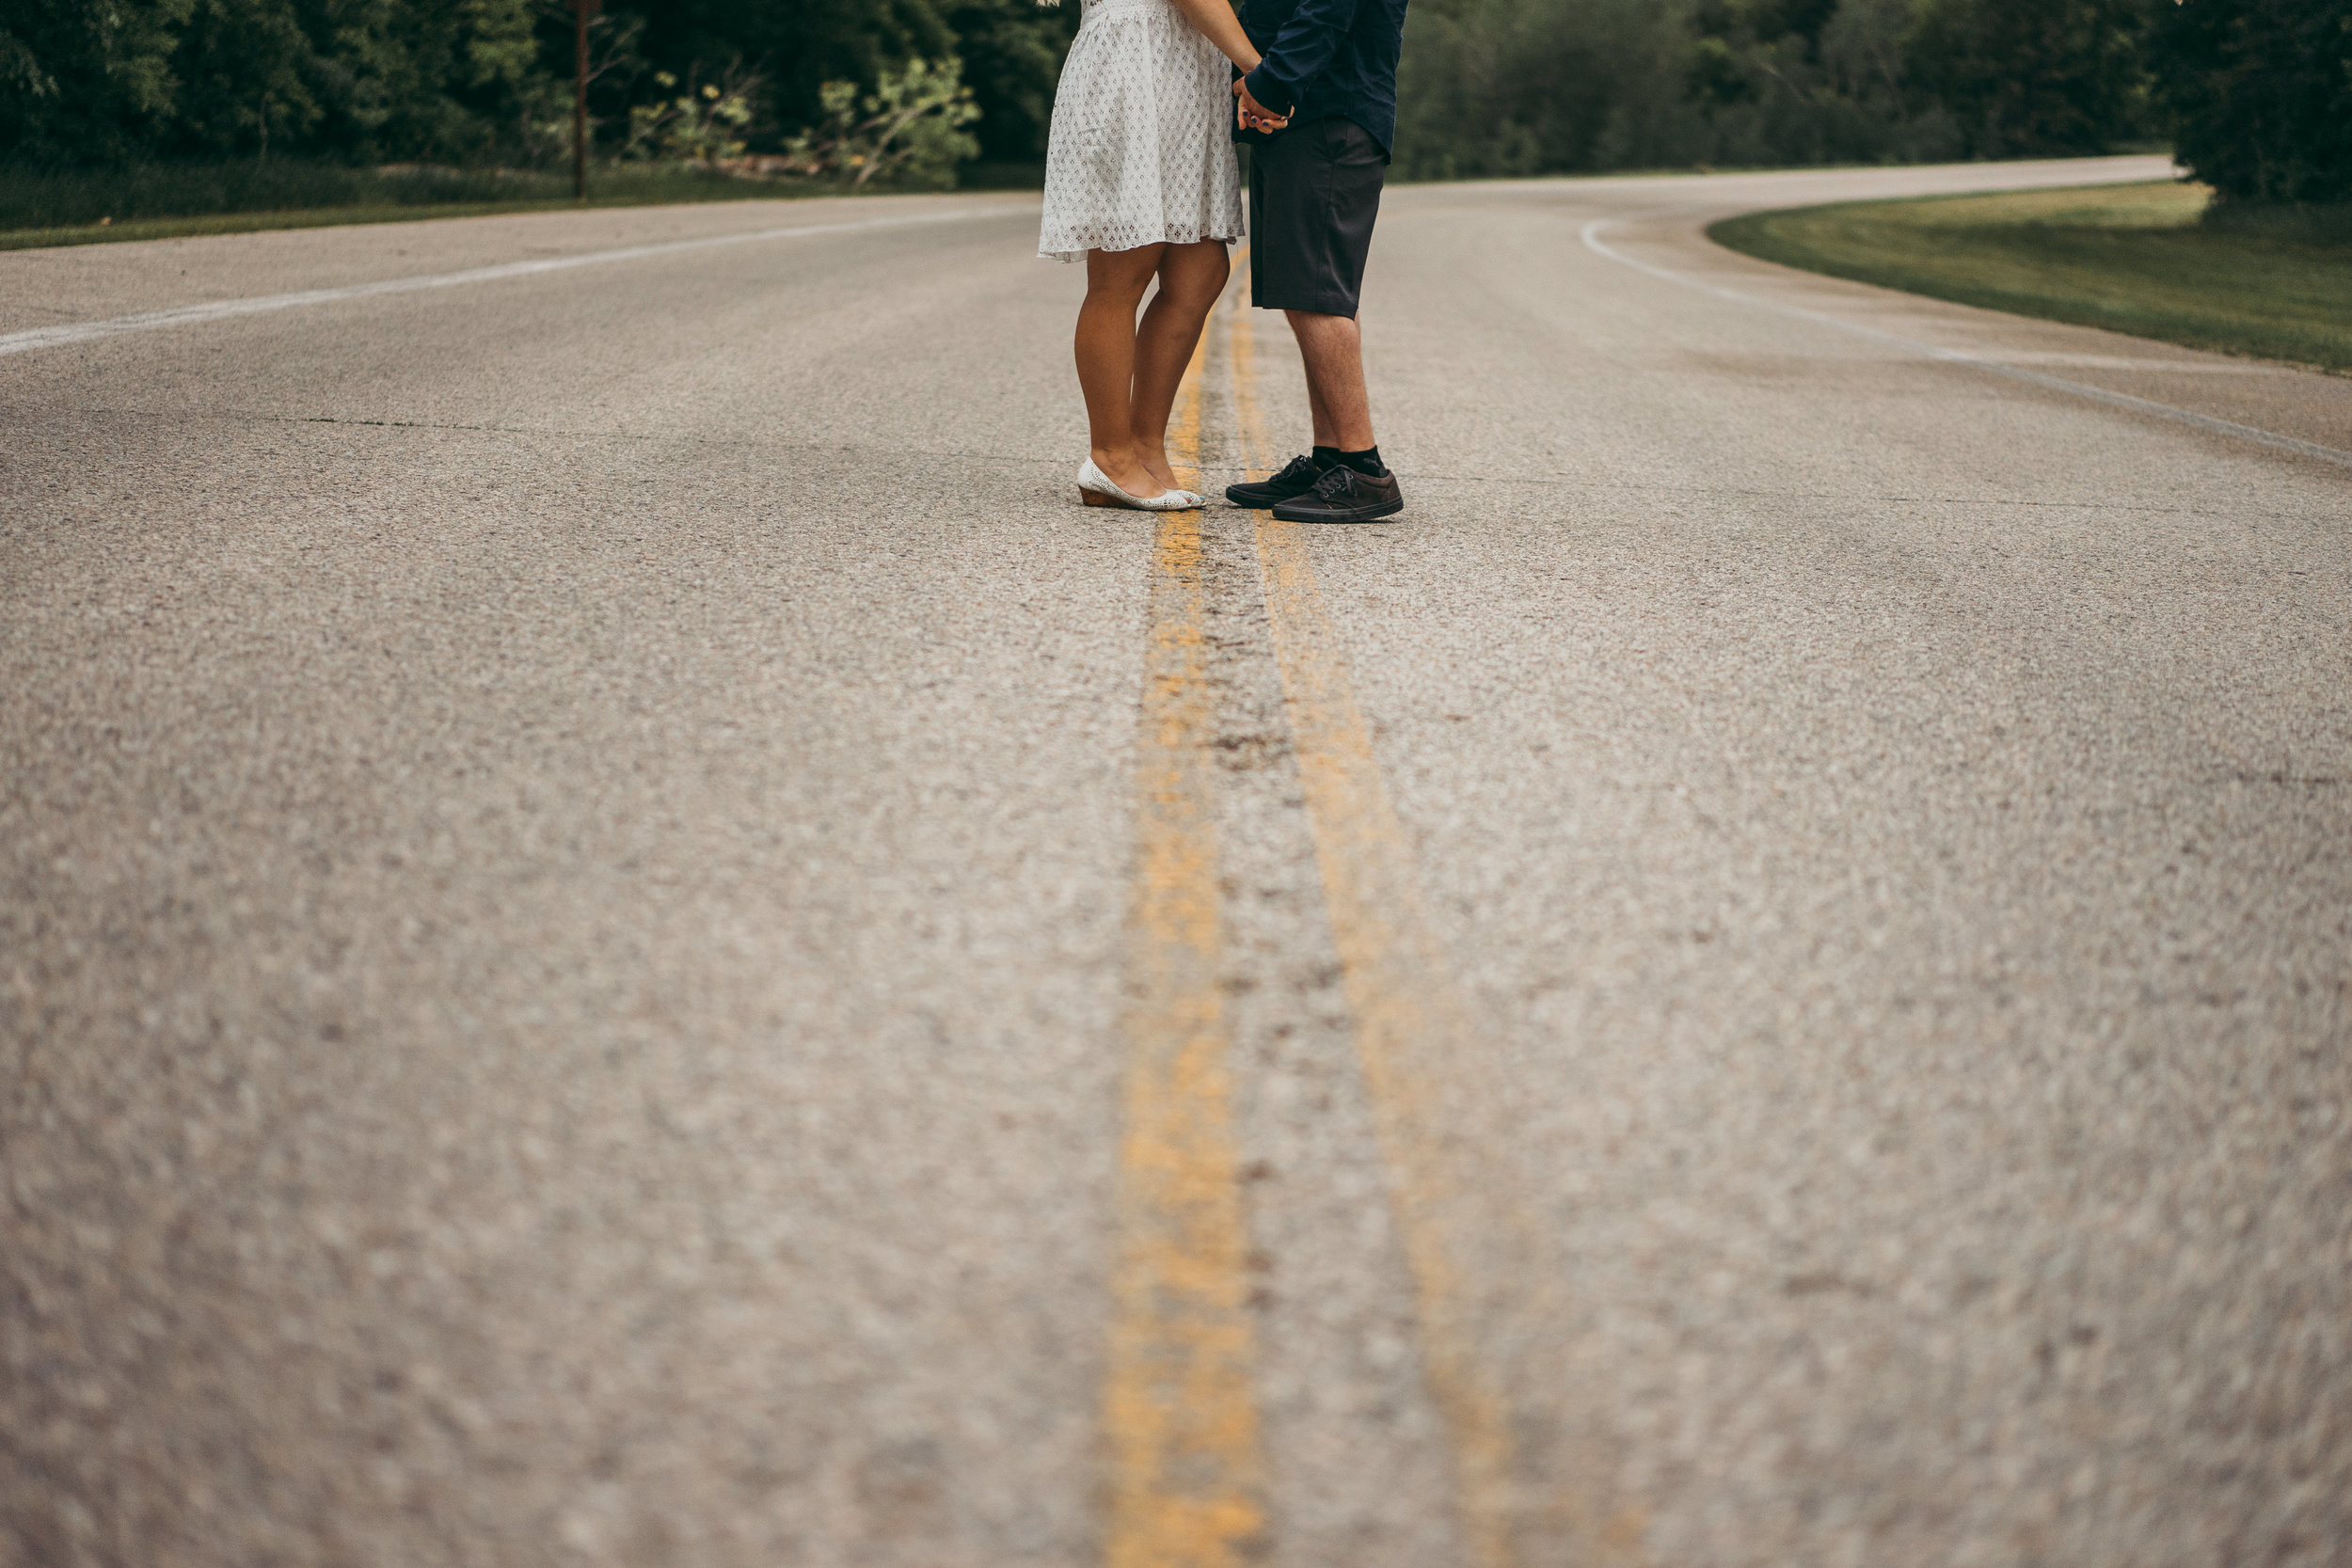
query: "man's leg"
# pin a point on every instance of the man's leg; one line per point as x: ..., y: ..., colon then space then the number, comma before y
x: 1317, y: 410
x: 1333, y: 349
x: 1315, y: 194
x: 1356, y: 487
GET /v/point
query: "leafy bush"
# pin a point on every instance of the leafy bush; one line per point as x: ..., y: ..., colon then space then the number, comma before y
x: 1010, y: 51
x: 703, y: 124
x: 909, y: 131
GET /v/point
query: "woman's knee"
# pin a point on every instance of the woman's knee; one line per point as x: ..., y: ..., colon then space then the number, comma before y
x: 1116, y: 293
x: 1197, y: 282
x: 1115, y: 274
x: 1205, y: 265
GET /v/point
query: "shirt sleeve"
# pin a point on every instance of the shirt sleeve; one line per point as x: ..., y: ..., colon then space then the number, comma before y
x: 1301, y: 50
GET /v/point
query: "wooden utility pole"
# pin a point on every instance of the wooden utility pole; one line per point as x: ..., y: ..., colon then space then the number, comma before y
x: 582, y: 11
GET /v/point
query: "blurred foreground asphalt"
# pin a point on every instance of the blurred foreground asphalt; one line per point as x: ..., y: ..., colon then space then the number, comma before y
x: 1777, y: 955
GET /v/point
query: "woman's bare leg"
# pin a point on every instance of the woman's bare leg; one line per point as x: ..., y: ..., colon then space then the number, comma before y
x: 1191, y: 279
x: 1107, y: 364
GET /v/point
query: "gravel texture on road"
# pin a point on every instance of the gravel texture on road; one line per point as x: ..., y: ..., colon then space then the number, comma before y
x: 1780, y: 969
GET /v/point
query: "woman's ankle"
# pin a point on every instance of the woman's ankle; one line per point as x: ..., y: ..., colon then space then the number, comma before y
x: 1126, y: 465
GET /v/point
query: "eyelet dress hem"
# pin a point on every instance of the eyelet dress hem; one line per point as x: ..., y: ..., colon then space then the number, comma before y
x: 1140, y: 152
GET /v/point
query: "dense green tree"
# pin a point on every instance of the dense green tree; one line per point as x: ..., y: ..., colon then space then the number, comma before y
x: 1012, y: 52
x: 1510, y: 86
x: 244, y: 69
x: 115, y: 80
x: 1523, y: 87
x: 1513, y: 87
x: 2033, y: 78
x: 1811, y: 81
x: 2260, y: 95
x: 90, y: 80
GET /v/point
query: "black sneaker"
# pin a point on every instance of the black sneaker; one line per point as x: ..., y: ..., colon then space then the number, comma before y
x: 1296, y: 480
x: 1345, y: 496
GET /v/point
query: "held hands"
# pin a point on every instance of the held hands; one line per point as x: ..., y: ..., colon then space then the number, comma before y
x: 1253, y: 116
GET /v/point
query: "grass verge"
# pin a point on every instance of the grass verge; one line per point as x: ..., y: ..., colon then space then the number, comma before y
x: 162, y: 201
x: 2154, y: 260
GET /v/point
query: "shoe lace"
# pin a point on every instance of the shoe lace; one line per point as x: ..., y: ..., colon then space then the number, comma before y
x: 1299, y: 468
x: 1335, y: 482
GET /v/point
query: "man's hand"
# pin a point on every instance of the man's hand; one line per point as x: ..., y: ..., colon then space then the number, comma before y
x: 1250, y: 115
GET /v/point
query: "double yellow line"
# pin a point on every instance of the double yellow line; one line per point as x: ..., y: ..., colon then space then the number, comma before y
x: 1189, y: 1481
x: 1407, y: 1012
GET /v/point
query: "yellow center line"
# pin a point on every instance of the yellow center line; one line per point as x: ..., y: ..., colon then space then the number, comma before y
x: 1178, y: 1403
x: 1415, y: 1040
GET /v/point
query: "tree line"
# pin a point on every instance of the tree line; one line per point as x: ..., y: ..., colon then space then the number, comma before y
x: 99, y: 83
x: 2255, y: 94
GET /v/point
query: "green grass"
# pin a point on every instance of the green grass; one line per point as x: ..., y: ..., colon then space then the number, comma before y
x: 159, y: 201
x: 2155, y: 261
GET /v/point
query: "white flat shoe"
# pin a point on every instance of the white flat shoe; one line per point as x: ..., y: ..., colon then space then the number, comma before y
x: 1097, y: 488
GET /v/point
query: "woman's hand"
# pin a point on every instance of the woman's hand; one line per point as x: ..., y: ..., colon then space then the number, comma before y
x: 1253, y: 116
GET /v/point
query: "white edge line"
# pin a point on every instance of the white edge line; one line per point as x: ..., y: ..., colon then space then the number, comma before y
x: 82, y: 332
x: 1590, y: 235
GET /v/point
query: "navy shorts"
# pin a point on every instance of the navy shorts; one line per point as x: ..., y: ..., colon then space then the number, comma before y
x: 1314, y: 193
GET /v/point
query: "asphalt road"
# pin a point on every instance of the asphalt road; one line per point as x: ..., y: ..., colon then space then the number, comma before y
x: 626, y: 938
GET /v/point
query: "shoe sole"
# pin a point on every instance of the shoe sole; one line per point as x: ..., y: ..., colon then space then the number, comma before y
x: 1260, y: 502
x: 1358, y: 514
x: 1092, y: 498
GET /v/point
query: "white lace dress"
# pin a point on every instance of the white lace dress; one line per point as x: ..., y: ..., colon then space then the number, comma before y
x: 1142, y: 148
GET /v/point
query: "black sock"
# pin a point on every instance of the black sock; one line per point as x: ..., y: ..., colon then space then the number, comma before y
x: 1327, y: 458
x: 1366, y: 461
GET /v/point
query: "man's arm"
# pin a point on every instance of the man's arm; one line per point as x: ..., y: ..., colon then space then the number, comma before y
x: 1303, y: 47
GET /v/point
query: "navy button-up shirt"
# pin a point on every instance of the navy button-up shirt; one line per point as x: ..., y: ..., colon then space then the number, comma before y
x: 1326, y: 57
